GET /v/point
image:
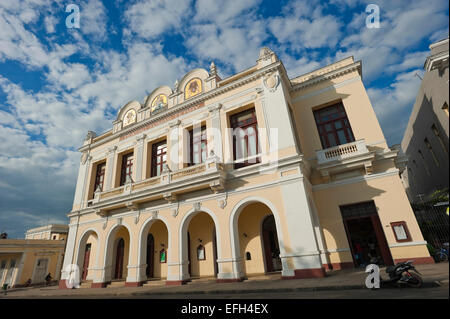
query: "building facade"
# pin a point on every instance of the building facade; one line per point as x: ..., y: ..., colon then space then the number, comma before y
x: 40, y: 253
x: 228, y: 178
x: 426, y: 139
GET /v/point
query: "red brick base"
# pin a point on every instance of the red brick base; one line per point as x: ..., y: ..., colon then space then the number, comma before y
x: 417, y: 261
x: 62, y: 284
x: 99, y: 284
x: 224, y: 281
x: 338, y: 266
x: 307, y: 273
x: 176, y: 282
x: 134, y: 284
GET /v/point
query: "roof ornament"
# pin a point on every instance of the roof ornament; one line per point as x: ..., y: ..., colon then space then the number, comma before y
x: 175, y: 86
x: 213, y: 69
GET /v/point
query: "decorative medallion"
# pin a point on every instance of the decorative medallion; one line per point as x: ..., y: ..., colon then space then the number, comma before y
x: 158, y: 104
x: 129, y: 118
x: 193, y: 87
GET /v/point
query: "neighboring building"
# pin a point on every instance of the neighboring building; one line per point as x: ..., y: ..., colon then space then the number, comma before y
x: 34, y: 257
x: 426, y: 139
x: 255, y: 173
x: 49, y: 232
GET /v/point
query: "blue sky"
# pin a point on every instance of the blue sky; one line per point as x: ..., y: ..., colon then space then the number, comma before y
x: 57, y: 83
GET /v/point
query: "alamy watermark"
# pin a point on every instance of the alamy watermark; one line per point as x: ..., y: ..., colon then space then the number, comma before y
x: 73, y: 19
x: 373, y: 279
x: 373, y: 18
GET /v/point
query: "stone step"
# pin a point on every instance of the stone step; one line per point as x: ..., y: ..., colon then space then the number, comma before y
x: 155, y: 282
x: 115, y: 284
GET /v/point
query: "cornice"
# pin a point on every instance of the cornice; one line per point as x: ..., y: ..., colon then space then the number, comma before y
x: 356, y: 66
x: 186, y: 104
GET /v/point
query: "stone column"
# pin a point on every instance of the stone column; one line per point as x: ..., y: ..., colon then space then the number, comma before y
x: 173, y: 147
x: 110, y: 161
x: 82, y: 182
x: 69, y: 253
x: 301, y: 258
x: 139, y: 157
x: 214, y: 112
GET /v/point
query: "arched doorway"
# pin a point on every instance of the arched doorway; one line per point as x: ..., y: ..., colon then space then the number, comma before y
x: 201, y: 246
x: 157, y: 250
x: 271, y: 247
x: 256, y: 241
x: 117, y: 254
x: 120, y: 250
x: 87, y: 254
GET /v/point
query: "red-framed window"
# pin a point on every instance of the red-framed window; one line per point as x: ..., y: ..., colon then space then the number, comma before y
x: 197, y: 146
x: 127, y: 168
x: 159, y: 158
x: 333, y: 126
x: 245, y: 138
x: 100, y: 177
x: 401, y: 232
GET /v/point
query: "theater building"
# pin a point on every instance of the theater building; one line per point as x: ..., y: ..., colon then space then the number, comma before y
x: 228, y: 178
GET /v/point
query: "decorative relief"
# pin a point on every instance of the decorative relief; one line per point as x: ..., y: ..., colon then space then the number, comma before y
x: 271, y: 82
x: 174, y: 212
x: 159, y: 103
x: 154, y: 214
x: 197, y: 206
x: 85, y: 157
x: 193, y: 88
x: 130, y: 117
x: 222, y: 203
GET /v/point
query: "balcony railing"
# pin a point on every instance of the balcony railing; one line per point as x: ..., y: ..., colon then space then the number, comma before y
x: 210, y: 173
x: 342, y: 152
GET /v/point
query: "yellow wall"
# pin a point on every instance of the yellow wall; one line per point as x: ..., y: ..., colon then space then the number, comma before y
x: 160, y: 235
x: 250, y: 223
x: 202, y: 227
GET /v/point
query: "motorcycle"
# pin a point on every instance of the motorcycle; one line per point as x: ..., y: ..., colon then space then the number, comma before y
x: 402, y: 274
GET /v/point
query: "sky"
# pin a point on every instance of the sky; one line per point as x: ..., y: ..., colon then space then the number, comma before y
x: 57, y: 83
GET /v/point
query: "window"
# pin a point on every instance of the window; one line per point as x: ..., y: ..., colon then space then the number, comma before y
x: 430, y: 148
x: 245, y: 138
x: 126, y: 170
x: 333, y: 126
x: 100, y: 177
x: 439, y: 137
x: 401, y: 232
x: 427, y: 169
x: 159, y: 158
x: 197, y: 146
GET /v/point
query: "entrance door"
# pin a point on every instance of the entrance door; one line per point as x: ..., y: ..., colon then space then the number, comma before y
x: 271, y: 248
x: 119, y: 259
x: 150, y: 255
x: 365, y: 234
x: 216, y: 265
x: 189, y: 253
x: 87, y: 254
x: 41, y: 271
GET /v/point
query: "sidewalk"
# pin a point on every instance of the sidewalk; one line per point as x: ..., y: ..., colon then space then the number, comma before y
x: 433, y: 276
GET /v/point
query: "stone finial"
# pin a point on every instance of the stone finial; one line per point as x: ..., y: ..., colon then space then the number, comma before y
x: 213, y: 69
x: 175, y: 86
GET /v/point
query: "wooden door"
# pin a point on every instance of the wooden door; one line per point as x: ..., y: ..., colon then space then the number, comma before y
x: 41, y: 271
x: 189, y: 253
x: 382, y: 243
x: 119, y: 259
x: 87, y: 254
x: 267, y: 251
x: 150, y: 255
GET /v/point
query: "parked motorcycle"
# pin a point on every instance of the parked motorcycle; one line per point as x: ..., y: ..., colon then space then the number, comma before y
x: 402, y: 274
x: 442, y: 253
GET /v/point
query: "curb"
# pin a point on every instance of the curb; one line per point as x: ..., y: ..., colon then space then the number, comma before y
x: 276, y: 290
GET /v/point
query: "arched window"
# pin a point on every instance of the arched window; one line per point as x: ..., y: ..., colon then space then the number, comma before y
x: 248, y: 256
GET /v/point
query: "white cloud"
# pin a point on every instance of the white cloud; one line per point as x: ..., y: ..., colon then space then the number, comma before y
x: 149, y: 19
